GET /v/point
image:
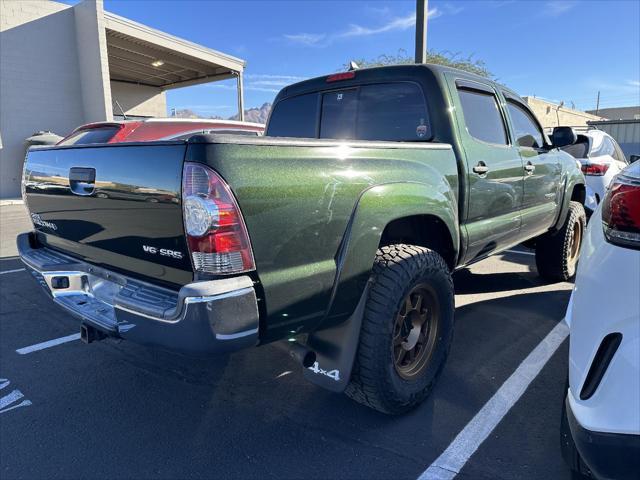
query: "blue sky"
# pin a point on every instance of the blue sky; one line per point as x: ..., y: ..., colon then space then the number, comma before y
x: 559, y: 50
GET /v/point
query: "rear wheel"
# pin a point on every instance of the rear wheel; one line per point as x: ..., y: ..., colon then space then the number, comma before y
x: 406, y: 330
x: 557, y: 253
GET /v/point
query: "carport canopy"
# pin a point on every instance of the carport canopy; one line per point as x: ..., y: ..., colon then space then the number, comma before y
x: 144, y: 56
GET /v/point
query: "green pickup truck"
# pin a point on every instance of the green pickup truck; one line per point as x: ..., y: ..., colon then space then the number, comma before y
x: 337, y: 232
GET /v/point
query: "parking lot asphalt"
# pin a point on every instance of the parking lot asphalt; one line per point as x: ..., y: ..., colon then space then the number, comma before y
x: 116, y: 410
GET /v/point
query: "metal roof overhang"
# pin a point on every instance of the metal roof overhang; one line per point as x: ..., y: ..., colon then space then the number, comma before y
x: 133, y: 47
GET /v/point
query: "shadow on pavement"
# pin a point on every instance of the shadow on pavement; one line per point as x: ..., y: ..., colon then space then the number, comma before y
x: 468, y: 282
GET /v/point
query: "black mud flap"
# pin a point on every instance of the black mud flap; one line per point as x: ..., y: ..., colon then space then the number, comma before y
x: 335, y: 350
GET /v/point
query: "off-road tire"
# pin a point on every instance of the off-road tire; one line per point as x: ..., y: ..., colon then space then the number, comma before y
x: 375, y: 382
x: 554, y: 257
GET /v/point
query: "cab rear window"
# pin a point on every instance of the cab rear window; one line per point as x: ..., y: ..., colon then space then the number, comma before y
x: 384, y: 112
x: 90, y: 135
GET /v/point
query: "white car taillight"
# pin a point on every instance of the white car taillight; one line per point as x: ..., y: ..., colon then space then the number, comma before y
x: 621, y: 208
x: 216, y: 233
x: 595, y: 169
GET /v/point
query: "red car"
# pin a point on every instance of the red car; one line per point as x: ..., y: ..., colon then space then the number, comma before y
x: 155, y: 129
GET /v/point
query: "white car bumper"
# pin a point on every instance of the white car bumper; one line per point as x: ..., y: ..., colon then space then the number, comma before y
x: 605, y: 300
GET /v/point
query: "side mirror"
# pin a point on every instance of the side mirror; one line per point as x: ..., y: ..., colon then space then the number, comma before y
x: 634, y: 158
x: 563, y: 136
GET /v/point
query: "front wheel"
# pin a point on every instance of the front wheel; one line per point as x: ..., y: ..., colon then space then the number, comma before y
x: 557, y: 253
x: 406, y: 330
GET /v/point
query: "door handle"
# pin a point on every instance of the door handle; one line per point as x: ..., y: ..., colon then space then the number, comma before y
x: 481, y: 168
x: 529, y: 168
x: 82, y: 180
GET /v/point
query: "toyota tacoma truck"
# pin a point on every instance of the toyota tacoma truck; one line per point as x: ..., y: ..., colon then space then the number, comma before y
x: 336, y: 233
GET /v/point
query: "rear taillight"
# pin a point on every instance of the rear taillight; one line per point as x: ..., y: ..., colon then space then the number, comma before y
x: 621, y: 209
x: 595, y: 169
x: 216, y: 233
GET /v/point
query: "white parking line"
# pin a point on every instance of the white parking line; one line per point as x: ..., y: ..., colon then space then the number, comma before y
x: 449, y: 464
x: 520, y: 252
x: 13, y: 271
x: 13, y: 397
x: 48, y: 344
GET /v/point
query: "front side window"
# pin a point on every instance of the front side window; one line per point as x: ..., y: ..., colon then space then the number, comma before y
x: 527, y: 132
x: 482, y: 116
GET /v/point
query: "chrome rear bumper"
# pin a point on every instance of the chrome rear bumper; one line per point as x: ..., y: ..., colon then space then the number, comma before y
x: 202, y: 317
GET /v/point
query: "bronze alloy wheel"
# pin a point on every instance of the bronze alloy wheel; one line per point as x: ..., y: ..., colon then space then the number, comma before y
x: 576, y: 241
x: 415, y: 331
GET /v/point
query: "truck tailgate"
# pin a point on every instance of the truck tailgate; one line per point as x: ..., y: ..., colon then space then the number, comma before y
x: 117, y: 206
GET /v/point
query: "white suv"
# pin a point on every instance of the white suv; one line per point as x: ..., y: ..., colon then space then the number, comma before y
x: 601, y: 421
x: 601, y: 159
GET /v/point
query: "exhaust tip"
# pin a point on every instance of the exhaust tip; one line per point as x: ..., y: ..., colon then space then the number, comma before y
x: 309, y: 359
x: 302, y: 354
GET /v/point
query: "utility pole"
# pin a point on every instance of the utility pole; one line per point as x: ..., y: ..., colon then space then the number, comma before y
x: 598, y: 103
x: 422, y: 14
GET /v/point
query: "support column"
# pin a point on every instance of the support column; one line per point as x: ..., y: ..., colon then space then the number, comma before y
x: 240, y: 89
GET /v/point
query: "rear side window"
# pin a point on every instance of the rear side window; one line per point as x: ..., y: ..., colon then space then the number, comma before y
x: 526, y: 130
x: 295, y: 117
x: 604, y: 148
x: 383, y: 112
x: 482, y: 116
x: 91, y: 135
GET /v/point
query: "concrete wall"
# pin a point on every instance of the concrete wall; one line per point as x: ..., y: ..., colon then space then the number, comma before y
x: 39, y: 80
x: 138, y: 100
x: 91, y: 42
x: 551, y: 116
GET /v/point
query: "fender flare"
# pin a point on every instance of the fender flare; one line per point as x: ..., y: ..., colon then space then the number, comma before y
x: 336, y: 338
x: 573, y: 178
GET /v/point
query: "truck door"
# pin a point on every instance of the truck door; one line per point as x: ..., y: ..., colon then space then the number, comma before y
x: 542, y: 170
x: 494, y: 170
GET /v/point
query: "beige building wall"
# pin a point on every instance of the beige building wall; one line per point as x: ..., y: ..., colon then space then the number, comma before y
x: 139, y: 99
x: 91, y: 42
x: 552, y: 115
x: 39, y: 79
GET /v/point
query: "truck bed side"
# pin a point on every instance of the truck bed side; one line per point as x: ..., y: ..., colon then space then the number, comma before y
x: 307, y: 202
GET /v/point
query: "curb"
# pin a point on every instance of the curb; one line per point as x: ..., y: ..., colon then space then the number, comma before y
x: 11, y: 201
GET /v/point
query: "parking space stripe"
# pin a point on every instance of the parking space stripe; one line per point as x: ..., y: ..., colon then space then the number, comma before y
x: 13, y: 271
x: 48, y: 344
x: 451, y: 461
x: 9, y: 399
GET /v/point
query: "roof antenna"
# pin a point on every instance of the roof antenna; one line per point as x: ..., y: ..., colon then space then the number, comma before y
x: 353, y: 66
x: 124, y: 115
